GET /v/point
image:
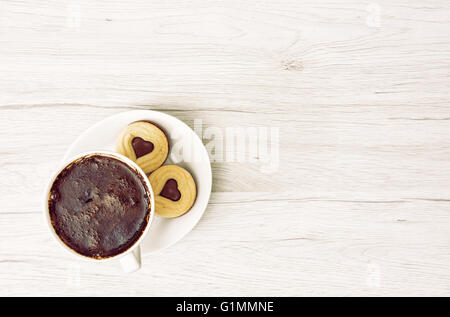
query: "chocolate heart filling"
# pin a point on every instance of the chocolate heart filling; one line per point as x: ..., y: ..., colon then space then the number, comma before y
x: 141, y: 147
x: 170, y: 190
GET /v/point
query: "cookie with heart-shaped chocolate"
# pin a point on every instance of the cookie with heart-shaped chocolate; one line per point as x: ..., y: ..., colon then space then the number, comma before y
x: 174, y: 189
x: 145, y: 143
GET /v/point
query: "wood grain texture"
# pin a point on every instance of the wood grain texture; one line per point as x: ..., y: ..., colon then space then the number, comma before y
x: 360, y: 202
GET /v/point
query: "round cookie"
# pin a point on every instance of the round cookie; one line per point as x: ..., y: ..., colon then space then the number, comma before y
x: 174, y: 189
x: 144, y: 143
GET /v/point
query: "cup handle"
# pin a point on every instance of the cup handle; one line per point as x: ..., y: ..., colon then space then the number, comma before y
x: 132, y: 261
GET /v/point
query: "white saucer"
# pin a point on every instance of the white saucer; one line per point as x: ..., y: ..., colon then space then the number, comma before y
x: 102, y: 136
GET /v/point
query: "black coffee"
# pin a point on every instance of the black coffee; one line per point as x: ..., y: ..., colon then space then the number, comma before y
x: 99, y: 206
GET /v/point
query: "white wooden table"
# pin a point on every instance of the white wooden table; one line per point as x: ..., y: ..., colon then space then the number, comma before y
x: 360, y: 92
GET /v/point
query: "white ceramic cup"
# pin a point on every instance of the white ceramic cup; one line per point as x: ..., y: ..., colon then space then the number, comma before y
x: 130, y: 258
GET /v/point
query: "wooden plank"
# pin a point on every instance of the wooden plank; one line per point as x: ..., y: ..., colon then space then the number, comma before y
x: 248, y: 244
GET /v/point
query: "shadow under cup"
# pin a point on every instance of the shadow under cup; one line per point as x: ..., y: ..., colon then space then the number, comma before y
x: 100, y: 205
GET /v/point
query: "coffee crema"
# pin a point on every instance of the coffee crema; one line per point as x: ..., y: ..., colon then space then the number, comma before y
x: 99, y: 206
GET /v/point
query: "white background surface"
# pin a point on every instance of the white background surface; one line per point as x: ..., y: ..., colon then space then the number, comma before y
x: 360, y: 202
